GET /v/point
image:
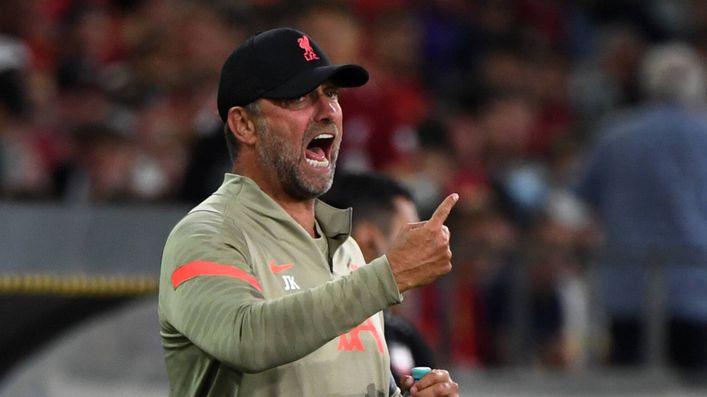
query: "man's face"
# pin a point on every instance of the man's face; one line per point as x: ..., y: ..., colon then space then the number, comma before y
x: 405, y: 212
x: 299, y: 139
x: 374, y: 239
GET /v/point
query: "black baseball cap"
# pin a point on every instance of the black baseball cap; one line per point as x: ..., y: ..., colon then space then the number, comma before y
x: 279, y: 64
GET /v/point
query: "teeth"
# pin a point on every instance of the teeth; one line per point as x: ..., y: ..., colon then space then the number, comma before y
x: 318, y: 164
x: 323, y: 136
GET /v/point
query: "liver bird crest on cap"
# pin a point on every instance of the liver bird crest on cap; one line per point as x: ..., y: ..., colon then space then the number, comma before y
x: 309, y: 53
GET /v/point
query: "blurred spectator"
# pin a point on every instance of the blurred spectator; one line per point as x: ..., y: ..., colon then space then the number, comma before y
x: 548, y: 91
x: 207, y: 159
x: 433, y: 165
x: 534, y: 306
x: 504, y: 70
x: 516, y: 303
x: 559, y: 300
x: 447, y: 42
x: 24, y: 159
x: 607, y: 80
x: 396, y: 58
x: 102, y: 167
x: 506, y: 119
x: 547, y: 23
x: 646, y: 178
x: 483, y: 242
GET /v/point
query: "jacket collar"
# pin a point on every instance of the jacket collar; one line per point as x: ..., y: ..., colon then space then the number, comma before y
x: 334, y: 222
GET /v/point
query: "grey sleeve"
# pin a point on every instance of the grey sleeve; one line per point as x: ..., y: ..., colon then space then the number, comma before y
x: 229, y: 319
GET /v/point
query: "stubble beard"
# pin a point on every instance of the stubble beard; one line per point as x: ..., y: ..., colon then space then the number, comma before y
x: 286, y: 160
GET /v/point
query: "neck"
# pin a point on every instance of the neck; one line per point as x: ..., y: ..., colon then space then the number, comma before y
x: 301, y: 210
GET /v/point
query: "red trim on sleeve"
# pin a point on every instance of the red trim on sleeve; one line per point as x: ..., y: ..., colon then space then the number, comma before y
x: 206, y: 268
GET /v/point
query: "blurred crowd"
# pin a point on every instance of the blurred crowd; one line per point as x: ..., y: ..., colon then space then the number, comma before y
x: 113, y: 101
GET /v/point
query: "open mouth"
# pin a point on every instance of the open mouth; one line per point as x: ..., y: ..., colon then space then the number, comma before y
x: 318, y: 151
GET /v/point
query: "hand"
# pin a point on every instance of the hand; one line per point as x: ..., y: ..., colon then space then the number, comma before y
x: 437, y: 383
x: 420, y: 253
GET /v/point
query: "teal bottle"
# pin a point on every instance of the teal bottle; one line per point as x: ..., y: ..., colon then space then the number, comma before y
x: 417, y: 374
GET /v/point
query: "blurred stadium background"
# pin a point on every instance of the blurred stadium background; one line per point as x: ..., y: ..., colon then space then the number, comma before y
x: 109, y: 133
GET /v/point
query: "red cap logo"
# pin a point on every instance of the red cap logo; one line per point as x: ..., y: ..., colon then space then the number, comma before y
x: 309, y: 53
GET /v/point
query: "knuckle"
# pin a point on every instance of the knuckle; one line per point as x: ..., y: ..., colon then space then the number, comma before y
x: 441, y: 388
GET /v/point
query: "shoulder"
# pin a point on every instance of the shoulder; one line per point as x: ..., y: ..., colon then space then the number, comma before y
x: 211, y: 223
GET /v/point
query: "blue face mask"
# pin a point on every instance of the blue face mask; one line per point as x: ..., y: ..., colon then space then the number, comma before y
x: 527, y: 186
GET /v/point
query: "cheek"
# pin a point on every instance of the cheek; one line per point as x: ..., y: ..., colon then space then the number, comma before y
x: 292, y: 133
x: 338, y: 115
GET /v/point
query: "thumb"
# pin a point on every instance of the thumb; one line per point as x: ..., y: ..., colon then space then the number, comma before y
x: 406, y: 382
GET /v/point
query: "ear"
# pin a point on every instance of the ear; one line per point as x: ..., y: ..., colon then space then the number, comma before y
x: 370, y: 239
x: 242, y: 126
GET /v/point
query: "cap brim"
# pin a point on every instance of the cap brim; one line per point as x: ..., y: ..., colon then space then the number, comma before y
x: 340, y: 75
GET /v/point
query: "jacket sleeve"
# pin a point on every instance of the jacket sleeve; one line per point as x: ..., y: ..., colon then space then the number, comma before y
x: 222, y: 311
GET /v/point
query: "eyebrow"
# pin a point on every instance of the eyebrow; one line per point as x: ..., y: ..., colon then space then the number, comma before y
x: 329, y: 84
x: 325, y: 86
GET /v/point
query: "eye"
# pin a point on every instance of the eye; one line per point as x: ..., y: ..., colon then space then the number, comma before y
x: 292, y: 103
x: 296, y: 101
x: 332, y: 92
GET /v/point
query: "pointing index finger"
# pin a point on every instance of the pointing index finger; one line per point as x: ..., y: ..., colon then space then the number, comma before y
x: 442, y: 212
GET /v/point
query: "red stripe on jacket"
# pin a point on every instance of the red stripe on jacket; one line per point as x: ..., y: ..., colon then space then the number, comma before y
x: 206, y: 268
